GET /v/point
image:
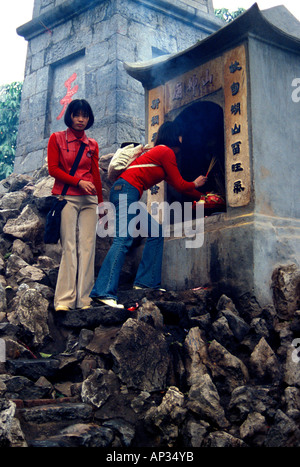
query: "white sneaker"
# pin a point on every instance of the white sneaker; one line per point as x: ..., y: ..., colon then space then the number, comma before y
x: 109, y: 301
x: 138, y: 287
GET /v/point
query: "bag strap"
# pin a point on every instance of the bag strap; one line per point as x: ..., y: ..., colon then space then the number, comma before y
x: 142, y: 165
x: 74, y: 166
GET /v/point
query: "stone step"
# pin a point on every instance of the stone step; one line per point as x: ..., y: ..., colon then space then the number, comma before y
x: 43, y: 419
x: 56, y: 412
x: 91, y: 318
x: 77, y: 435
x: 33, y: 369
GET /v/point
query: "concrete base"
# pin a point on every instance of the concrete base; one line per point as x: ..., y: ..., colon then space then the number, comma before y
x: 238, y: 255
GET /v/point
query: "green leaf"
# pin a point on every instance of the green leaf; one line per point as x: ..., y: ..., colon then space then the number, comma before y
x: 45, y: 355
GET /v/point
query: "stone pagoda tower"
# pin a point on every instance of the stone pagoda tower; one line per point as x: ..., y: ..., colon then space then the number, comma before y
x: 76, y: 49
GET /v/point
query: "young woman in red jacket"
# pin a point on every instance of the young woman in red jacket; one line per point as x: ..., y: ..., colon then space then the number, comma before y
x: 128, y: 189
x: 76, y: 272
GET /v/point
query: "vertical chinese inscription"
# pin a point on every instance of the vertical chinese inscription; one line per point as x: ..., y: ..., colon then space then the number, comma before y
x: 156, y: 114
x: 238, y: 179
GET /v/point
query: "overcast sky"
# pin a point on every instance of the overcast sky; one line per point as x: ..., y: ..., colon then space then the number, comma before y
x: 14, y: 13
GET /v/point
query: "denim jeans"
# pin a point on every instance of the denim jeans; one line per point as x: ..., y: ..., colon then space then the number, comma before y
x: 122, y: 195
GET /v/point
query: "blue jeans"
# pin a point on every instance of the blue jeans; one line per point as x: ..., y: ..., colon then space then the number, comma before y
x: 149, y: 270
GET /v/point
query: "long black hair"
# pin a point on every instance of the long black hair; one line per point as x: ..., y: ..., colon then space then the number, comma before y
x: 77, y: 106
x: 168, y: 134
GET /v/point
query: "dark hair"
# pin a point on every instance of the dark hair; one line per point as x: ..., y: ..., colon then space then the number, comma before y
x: 168, y: 134
x: 76, y: 106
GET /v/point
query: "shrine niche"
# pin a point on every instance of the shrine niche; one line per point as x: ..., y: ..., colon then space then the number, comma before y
x: 232, y: 94
x: 210, y: 102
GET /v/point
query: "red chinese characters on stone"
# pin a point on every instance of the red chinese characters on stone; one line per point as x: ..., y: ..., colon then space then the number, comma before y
x: 70, y: 93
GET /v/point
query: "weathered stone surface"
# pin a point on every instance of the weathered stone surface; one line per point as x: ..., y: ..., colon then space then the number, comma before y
x: 204, y: 400
x: 168, y: 416
x: 254, y: 424
x: 14, y: 264
x: 292, y: 398
x: 264, y: 363
x: 226, y: 368
x: 124, y: 430
x: 20, y: 387
x: 150, y: 313
x: 31, y: 313
x: 22, y: 250
x: 12, y: 200
x: 7, y: 412
x: 195, y: 433
x: 55, y: 412
x: 98, y: 387
x: 84, y: 435
x: 26, y: 226
x: 248, y: 399
x: 92, y: 317
x: 2, y: 299
x: 286, y: 290
x: 141, y: 357
x: 222, y: 439
x: 181, y: 367
x: 237, y: 325
x: 284, y: 432
x: 196, y: 356
x: 291, y: 367
x: 34, y: 368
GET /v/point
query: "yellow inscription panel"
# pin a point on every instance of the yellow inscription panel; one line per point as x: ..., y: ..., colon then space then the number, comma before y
x: 156, y: 115
x: 238, y: 180
x: 194, y: 84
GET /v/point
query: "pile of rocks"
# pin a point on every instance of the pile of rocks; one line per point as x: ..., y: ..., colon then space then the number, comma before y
x: 181, y: 368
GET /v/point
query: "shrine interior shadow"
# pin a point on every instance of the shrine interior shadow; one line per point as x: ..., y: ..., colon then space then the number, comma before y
x: 203, y: 139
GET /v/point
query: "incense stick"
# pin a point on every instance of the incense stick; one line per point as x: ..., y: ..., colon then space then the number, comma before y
x: 212, y: 163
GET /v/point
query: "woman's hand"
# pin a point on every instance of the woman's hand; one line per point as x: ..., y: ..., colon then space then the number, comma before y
x: 200, y: 181
x: 88, y: 187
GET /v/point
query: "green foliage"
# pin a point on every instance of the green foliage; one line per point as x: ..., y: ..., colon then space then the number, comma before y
x: 10, y: 99
x: 227, y: 15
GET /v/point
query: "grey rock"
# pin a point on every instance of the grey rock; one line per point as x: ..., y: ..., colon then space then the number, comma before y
x: 222, y: 439
x: 264, y: 363
x: 27, y: 226
x: 285, y: 286
x: 31, y: 313
x: 7, y: 413
x: 204, y: 400
x: 283, y: 433
x: 226, y: 367
x: 141, y: 356
x: 98, y: 387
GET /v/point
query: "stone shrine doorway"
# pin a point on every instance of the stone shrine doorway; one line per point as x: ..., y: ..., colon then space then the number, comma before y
x: 203, y: 139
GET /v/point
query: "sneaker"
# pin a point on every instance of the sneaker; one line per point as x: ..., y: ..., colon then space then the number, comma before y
x: 138, y: 287
x: 62, y: 308
x: 108, y: 301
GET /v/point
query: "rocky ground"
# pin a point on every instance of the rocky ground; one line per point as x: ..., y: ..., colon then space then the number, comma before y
x: 177, y: 369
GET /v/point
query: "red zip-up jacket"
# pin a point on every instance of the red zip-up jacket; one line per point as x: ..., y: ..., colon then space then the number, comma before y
x: 144, y: 178
x: 63, y: 147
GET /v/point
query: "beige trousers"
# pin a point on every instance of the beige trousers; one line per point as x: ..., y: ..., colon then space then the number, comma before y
x: 78, y: 236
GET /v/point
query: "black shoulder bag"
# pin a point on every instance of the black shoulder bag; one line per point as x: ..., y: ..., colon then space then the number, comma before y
x: 53, y: 219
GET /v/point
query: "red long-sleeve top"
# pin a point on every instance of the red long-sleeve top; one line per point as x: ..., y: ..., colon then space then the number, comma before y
x: 63, y: 147
x: 144, y: 178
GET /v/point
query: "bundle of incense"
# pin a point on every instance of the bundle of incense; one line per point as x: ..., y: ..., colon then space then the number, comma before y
x: 212, y: 163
